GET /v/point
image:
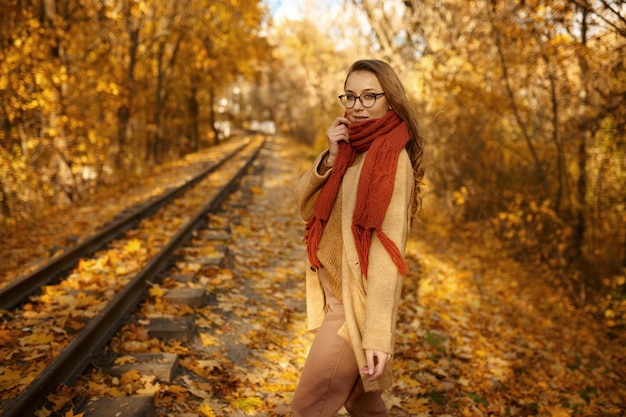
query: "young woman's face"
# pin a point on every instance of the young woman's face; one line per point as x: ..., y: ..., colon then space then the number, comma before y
x: 364, y: 82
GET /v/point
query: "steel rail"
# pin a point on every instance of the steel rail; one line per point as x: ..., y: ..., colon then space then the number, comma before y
x: 13, y: 294
x: 78, y: 353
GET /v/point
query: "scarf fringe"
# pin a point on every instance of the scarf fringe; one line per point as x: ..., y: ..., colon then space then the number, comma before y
x: 394, y: 252
x: 363, y: 239
x: 315, y: 228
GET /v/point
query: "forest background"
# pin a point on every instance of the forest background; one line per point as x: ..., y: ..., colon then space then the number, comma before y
x: 523, y: 106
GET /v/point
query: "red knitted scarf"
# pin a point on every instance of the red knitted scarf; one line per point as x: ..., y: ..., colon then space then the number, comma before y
x: 383, y: 139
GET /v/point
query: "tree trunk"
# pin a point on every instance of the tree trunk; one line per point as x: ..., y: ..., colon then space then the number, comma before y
x: 581, y: 208
x: 5, y: 209
x: 212, y: 116
x: 124, y: 111
x: 194, y: 113
x: 156, y: 137
x: 541, y: 176
x: 164, y: 72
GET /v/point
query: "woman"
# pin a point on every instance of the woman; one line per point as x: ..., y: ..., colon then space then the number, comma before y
x: 358, y: 199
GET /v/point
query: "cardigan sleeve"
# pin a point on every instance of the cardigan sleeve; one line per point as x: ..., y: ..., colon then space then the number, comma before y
x: 384, y: 282
x: 309, y: 185
x: 306, y: 190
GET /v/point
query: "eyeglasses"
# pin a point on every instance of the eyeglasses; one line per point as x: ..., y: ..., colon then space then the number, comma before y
x: 367, y: 99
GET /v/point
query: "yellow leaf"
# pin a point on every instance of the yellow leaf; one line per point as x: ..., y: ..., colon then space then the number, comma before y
x: 37, y: 339
x: 177, y: 389
x: 558, y: 411
x: 123, y: 360
x: 9, y: 375
x: 393, y: 401
x: 416, y: 405
x: 102, y: 389
x: 133, y: 245
x: 156, y: 292
x: 59, y: 401
x: 125, y: 268
x: 150, y: 386
x: 91, y: 265
x: 130, y: 376
x: 277, y: 387
x: 209, y: 340
x: 206, y: 410
x: 481, y: 353
x: 247, y: 404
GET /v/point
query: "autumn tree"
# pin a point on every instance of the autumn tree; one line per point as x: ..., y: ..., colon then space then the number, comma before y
x: 90, y: 89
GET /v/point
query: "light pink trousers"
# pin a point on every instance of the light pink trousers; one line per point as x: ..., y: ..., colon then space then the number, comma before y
x: 330, y: 378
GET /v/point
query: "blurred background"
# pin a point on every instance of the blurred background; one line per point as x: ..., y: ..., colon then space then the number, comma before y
x: 523, y: 106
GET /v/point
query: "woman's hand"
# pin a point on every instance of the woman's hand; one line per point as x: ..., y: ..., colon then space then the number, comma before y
x: 336, y: 133
x: 376, y: 362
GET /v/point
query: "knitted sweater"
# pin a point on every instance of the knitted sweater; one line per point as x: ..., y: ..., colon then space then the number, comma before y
x: 329, y: 252
x: 370, y: 304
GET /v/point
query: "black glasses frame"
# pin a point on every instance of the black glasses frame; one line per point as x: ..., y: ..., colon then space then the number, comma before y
x: 376, y: 95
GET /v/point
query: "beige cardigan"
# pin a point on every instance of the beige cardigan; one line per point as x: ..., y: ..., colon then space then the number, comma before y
x: 371, y: 305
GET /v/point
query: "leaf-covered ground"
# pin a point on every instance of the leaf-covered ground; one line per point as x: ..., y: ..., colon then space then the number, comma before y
x: 496, y: 339
x: 478, y: 334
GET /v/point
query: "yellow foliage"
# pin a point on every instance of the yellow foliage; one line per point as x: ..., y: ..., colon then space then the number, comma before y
x: 206, y: 410
x: 416, y: 405
x: 130, y: 376
x: 133, y: 245
x: 59, y: 401
x: 100, y: 389
x: 558, y: 411
x: 247, y: 404
x: 209, y: 340
x: 91, y: 265
x: 150, y: 385
x: 156, y: 291
x: 9, y: 378
x: 40, y: 338
x: 123, y: 360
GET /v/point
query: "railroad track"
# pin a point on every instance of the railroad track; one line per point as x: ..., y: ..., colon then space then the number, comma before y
x: 152, y: 234
x: 14, y: 293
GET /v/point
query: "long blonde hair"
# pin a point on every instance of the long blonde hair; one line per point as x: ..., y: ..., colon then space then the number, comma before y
x: 396, y: 95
